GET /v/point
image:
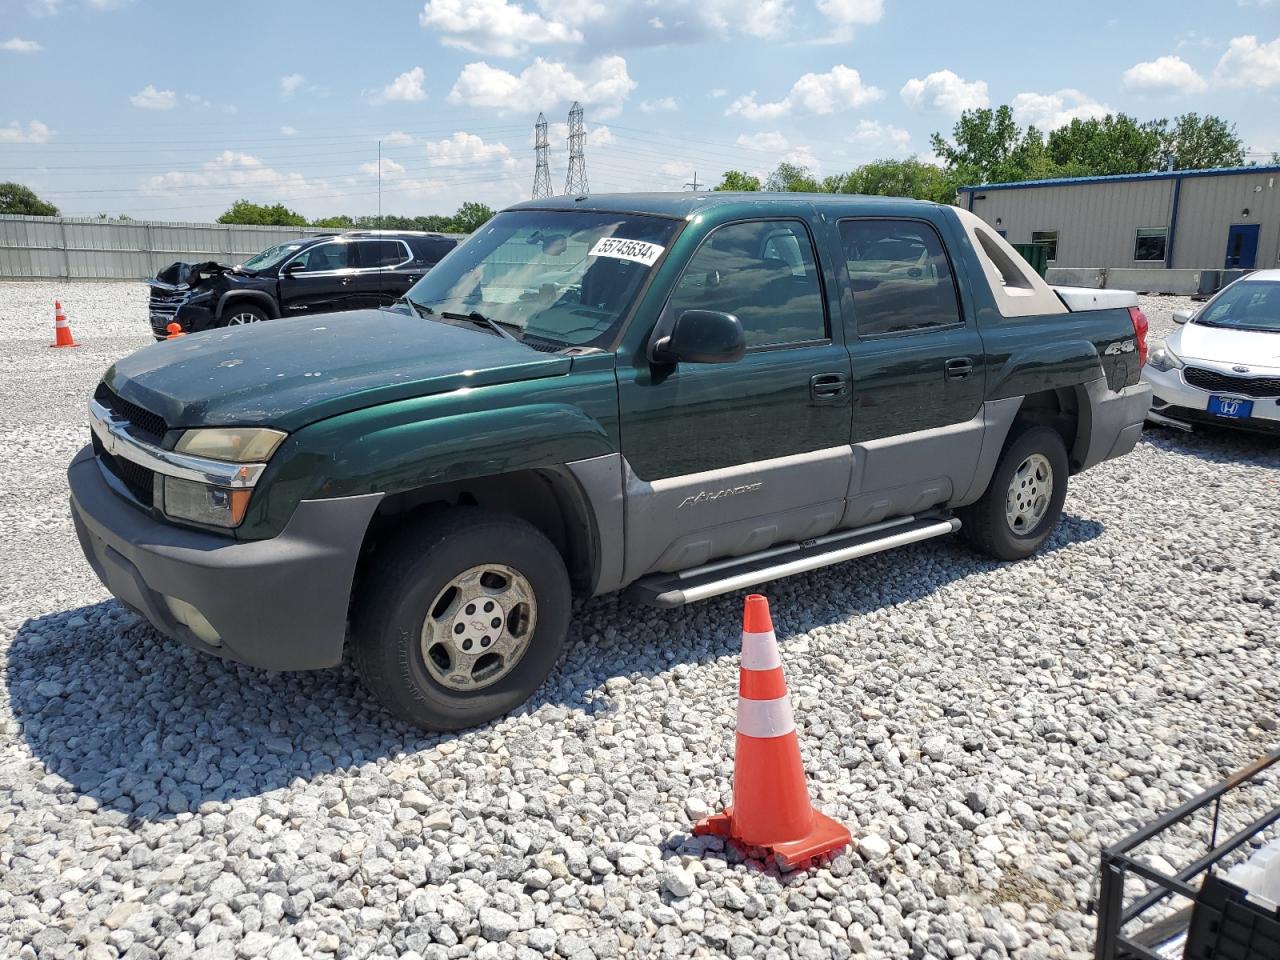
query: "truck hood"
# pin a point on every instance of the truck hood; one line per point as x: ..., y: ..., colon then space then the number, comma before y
x: 1253, y: 348
x: 288, y: 373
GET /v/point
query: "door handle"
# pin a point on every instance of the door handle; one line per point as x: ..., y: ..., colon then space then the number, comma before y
x: 959, y: 368
x: 345, y: 281
x: 828, y: 386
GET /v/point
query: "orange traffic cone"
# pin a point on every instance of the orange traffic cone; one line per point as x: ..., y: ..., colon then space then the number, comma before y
x: 770, y: 806
x: 61, y: 329
x: 174, y: 330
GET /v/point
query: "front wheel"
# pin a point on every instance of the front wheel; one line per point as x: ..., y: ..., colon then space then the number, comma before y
x: 239, y: 314
x: 463, y: 618
x: 1023, y: 501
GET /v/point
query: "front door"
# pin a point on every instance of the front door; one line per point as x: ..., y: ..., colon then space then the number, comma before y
x: 319, y: 279
x: 918, y: 377
x: 1242, y: 246
x: 727, y: 459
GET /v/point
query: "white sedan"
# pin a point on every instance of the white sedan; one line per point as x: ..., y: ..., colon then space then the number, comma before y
x: 1222, y: 365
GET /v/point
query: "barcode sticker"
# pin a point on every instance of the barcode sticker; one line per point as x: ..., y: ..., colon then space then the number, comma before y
x: 620, y: 249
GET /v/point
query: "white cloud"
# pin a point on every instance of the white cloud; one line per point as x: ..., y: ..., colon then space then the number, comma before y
x: 468, y: 149
x: 1164, y: 75
x: 717, y: 93
x: 36, y: 132
x: 492, y: 26
x: 1248, y: 63
x: 945, y: 91
x: 288, y: 131
x: 772, y: 141
x: 656, y: 106
x: 18, y: 45
x: 604, y: 83
x: 874, y: 135
x: 840, y: 88
x: 398, y: 138
x: 597, y: 136
x: 149, y: 98
x: 677, y: 171
x: 406, y: 88
x: 290, y: 84
x: 847, y: 14
x: 234, y: 169
x: 389, y: 168
x: 1048, y: 111
x: 803, y: 157
x: 757, y: 18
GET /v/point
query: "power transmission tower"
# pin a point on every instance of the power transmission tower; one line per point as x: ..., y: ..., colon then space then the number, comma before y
x: 575, y: 184
x: 541, y: 173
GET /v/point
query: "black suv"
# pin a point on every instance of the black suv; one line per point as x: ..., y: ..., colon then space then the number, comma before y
x: 347, y: 271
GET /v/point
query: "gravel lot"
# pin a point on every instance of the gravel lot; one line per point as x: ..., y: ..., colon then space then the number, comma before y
x: 982, y: 728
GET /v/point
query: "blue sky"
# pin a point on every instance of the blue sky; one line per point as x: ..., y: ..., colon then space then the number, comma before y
x: 171, y: 111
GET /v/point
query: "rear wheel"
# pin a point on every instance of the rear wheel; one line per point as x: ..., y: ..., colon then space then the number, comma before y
x: 1023, y: 502
x: 239, y: 314
x: 463, y: 618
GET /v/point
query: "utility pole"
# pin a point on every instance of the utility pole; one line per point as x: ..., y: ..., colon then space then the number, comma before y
x: 575, y: 184
x: 693, y: 186
x: 379, y: 184
x: 541, y: 172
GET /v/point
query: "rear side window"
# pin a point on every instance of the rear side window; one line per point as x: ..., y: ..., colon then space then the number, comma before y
x: 382, y: 253
x: 900, y: 276
x: 764, y: 273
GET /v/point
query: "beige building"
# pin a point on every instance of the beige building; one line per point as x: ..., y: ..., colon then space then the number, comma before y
x: 1175, y: 231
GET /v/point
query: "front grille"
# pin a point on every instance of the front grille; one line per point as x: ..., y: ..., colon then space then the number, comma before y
x: 138, y: 480
x: 1224, y: 383
x: 144, y: 420
x: 166, y: 303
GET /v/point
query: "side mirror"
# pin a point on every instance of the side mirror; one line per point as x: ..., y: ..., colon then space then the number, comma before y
x: 297, y: 266
x: 1181, y: 316
x: 702, y: 336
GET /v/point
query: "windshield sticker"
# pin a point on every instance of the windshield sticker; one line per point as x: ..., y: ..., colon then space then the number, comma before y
x: 620, y: 249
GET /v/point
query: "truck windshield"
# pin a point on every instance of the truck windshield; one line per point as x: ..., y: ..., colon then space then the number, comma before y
x: 269, y: 257
x: 562, y: 276
x: 1246, y: 305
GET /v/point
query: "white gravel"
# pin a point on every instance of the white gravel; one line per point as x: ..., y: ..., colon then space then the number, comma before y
x: 981, y: 727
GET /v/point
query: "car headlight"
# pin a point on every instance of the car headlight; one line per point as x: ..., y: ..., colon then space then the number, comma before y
x: 1162, y: 358
x: 233, y: 444
x: 203, y: 503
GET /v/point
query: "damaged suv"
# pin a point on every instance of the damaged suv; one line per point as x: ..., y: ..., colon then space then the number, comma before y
x: 349, y: 271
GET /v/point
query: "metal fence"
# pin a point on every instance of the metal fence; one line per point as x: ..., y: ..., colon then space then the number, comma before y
x: 53, y: 248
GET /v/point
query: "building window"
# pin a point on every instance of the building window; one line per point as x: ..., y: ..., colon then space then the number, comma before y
x: 1150, y: 244
x: 1049, y: 238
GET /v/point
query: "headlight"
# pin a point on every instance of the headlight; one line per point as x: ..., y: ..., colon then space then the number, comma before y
x: 1162, y: 358
x: 202, y: 503
x: 233, y: 444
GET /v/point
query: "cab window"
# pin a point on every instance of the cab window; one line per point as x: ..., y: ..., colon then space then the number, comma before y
x: 765, y: 273
x: 900, y: 277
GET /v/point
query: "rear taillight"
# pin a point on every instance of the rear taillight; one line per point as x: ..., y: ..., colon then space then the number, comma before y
x: 1140, y: 327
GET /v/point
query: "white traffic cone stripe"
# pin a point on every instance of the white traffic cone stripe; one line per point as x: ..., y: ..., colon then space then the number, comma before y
x: 760, y: 651
x: 765, y: 718
x: 60, y: 322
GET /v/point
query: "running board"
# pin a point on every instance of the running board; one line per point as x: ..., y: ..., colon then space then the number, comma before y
x: 725, y: 576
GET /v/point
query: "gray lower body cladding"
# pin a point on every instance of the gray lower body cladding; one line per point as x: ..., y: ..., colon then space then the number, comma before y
x: 278, y: 604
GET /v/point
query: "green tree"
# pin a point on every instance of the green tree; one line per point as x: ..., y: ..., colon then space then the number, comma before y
x: 22, y: 201
x: 278, y: 215
x: 338, y: 222
x: 1198, y: 143
x: 790, y: 177
x: 738, y: 181
x: 470, y: 217
x: 911, y: 177
x: 990, y: 147
x: 433, y: 223
x: 1098, y: 146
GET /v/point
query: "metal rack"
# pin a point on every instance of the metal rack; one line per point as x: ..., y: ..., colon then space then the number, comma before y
x: 1119, y: 862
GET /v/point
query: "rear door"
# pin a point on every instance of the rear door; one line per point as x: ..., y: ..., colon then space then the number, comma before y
x: 918, y: 379
x: 380, y: 281
x: 731, y: 458
x: 320, y: 278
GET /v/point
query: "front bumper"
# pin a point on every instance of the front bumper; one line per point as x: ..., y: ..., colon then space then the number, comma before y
x: 278, y: 604
x: 1177, y: 400
x: 191, y: 316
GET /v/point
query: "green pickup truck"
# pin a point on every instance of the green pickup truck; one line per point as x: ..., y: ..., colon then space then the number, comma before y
x: 680, y: 395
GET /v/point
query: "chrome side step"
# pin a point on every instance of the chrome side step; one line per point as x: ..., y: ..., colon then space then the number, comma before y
x: 725, y: 576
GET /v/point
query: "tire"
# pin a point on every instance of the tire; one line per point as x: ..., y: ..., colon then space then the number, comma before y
x: 238, y: 313
x: 395, y: 628
x: 989, y: 526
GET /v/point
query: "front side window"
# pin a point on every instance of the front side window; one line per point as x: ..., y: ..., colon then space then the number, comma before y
x: 382, y: 253
x: 1048, y: 238
x: 1245, y: 305
x: 765, y: 274
x: 1150, y: 243
x: 272, y: 256
x: 562, y: 276
x: 900, y: 276
x: 324, y: 257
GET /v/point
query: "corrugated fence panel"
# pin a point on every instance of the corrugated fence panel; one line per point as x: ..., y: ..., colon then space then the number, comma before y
x: 56, y: 247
